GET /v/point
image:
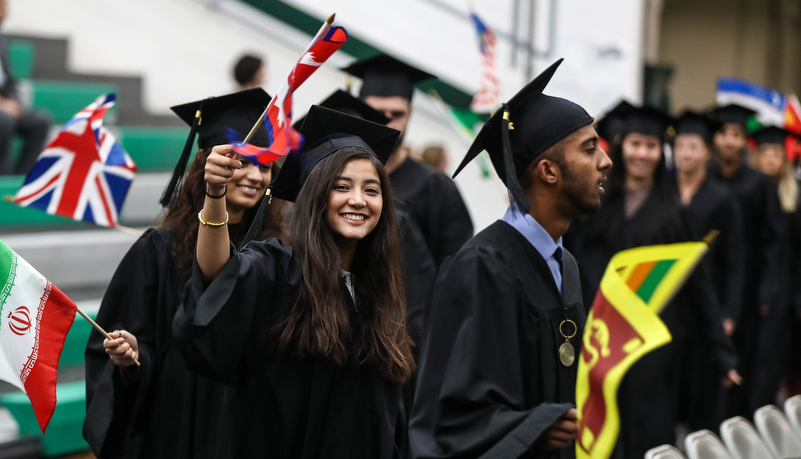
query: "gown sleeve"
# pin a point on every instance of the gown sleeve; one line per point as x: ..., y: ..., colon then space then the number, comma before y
x: 130, y: 303
x: 226, y: 330
x: 470, y: 400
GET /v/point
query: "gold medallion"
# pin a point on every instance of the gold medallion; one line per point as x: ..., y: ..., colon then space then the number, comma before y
x: 566, y: 354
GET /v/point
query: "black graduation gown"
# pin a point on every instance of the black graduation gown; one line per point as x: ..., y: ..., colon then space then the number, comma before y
x: 437, y: 206
x: 278, y: 405
x: 794, y: 296
x: 713, y: 208
x: 419, y: 272
x: 490, y: 381
x: 657, y: 391
x: 167, y: 411
x: 762, y: 236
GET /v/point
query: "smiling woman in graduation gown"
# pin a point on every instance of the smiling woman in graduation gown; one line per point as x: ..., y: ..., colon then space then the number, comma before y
x: 254, y: 327
x: 162, y: 409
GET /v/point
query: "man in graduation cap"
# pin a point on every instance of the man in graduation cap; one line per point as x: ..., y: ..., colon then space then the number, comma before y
x: 434, y: 200
x: 498, y: 369
x: 760, y: 215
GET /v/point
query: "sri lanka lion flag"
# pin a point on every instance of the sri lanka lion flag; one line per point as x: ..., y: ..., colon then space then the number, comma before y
x: 35, y: 317
x: 623, y: 326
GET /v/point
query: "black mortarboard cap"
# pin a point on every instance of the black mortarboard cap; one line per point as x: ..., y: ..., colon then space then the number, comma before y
x: 210, y: 119
x: 771, y: 135
x: 613, y: 122
x: 343, y: 102
x: 647, y: 120
x: 690, y: 122
x: 324, y: 132
x: 386, y: 76
x: 732, y: 113
x: 526, y: 126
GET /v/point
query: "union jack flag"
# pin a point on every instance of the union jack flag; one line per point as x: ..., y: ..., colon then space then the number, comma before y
x: 278, y: 119
x: 84, y: 173
x: 489, y: 93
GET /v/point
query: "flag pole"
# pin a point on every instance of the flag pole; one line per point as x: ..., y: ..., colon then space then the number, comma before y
x: 100, y: 329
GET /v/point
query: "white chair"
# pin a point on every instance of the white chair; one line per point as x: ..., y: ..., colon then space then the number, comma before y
x: 792, y: 408
x: 743, y: 440
x: 664, y: 452
x: 778, y: 434
x: 705, y: 445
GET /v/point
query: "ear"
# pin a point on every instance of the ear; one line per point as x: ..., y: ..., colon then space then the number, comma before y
x: 548, y: 171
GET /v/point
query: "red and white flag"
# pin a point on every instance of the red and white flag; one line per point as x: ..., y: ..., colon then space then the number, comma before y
x: 35, y: 317
x: 278, y: 120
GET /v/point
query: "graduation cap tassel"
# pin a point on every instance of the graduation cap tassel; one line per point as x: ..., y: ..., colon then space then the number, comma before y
x: 516, y: 193
x: 177, y: 177
x: 255, y: 226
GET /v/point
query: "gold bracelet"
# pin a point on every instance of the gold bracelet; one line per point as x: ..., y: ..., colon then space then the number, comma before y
x: 214, y: 224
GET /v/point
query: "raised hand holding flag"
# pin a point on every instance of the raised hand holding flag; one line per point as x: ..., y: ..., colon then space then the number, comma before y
x: 277, y: 117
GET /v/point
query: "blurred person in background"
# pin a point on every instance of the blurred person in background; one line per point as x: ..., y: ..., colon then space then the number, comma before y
x: 713, y: 208
x: 161, y: 408
x: 436, y: 157
x: 15, y: 119
x: 761, y: 217
x: 249, y: 72
x: 781, y: 331
x: 640, y: 208
x: 434, y: 200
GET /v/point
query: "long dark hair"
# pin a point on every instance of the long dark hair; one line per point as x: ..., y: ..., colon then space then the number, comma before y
x: 181, y: 216
x: 318, y: 323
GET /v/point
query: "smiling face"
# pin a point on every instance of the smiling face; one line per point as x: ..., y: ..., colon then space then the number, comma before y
x: 641, y: 156
x: 355, y: 202
x: 246, y: 188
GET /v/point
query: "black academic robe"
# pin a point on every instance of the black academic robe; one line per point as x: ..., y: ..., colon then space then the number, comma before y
x: 762, y: 236
x: 162, y: 409
x: 278, y: 405
x: 793, y: 372
x: 658, y: 390
x: 437, y: 206
x: 713, y: 208
x: 490, y: 380
x: 419, y: 272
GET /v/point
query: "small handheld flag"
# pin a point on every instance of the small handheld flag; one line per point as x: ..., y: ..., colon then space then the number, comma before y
x: 278, y: 115
x: 35, y: 317
x: 622, y: 327
x: 83, y: 174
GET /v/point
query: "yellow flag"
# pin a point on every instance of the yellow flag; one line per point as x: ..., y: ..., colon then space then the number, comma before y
x: 623, y: 326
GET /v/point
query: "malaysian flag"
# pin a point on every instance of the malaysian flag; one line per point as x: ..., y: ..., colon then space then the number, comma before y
x: 489, y: 93
x: 278, y: 118
x: 83, y: 174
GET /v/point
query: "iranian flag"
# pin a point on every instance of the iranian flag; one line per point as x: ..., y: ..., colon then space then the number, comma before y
x: 35, y: 317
